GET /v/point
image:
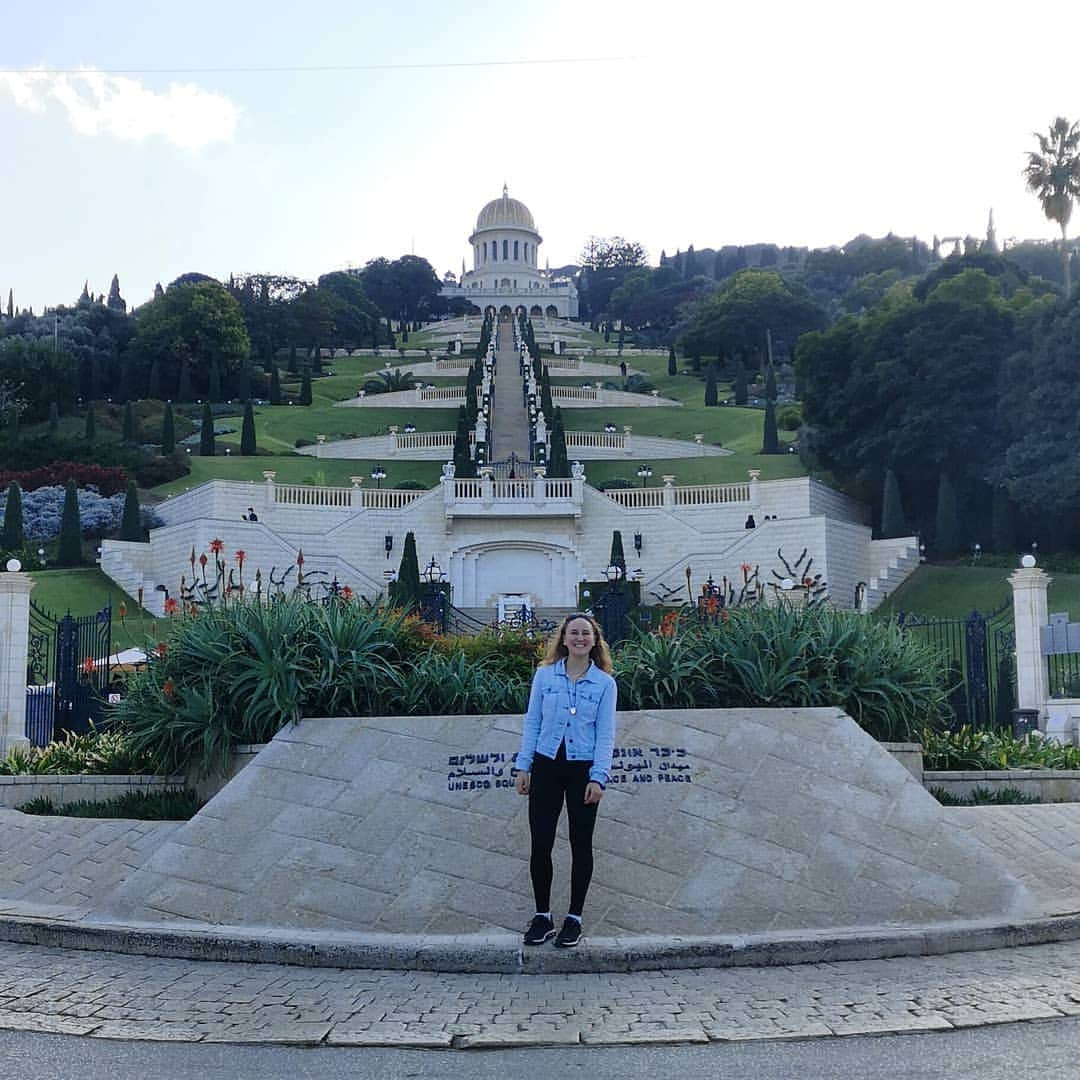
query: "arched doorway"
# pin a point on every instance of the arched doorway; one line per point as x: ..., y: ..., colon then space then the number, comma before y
x: 536, y: 309
x: 482, y: 573
x: 519, y: 311
x: 552, y: 311
x: 490, y: 310
x: 505, y: 312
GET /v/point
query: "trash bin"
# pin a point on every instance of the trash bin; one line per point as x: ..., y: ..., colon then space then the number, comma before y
x: 1024, y: 722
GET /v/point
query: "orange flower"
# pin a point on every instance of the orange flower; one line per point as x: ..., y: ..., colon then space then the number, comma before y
x: 807, y: 582
x: 300, y: 558
x: 162, y: 649
x: 203, y: 560
x: 171, y: 605
x: 169, y: 688
x: 240, y: 556
x: 346, y: 593
x: 122, y: 610
x: 217, y: 546
x: 746, y: 568
x: 88, y: 666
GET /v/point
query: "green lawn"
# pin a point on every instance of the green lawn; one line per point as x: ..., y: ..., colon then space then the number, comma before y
x: 278, y: 428
x: 87, y: 591
x: 954, y: 591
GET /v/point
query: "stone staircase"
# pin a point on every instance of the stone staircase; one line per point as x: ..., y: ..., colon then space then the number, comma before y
x: 900, y: 564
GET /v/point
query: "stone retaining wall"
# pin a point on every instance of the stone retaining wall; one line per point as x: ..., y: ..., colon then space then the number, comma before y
x: 16, y: 790
x: 1047, y: 785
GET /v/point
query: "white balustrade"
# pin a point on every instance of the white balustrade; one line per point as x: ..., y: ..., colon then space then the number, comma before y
x: 711, y: 494
x: 637, y: 498
x: 602, y: 440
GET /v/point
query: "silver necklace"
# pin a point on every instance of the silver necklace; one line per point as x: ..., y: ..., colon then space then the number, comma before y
x: 572, y: 693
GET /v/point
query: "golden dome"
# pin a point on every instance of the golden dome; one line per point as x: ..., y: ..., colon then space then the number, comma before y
x: 505, y: 213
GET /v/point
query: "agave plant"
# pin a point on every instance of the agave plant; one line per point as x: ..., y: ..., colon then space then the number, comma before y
x: 385, y: 382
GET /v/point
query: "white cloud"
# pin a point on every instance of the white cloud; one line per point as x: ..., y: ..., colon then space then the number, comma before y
x: 97, y: 103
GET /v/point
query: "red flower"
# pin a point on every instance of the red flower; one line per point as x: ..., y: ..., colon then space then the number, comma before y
x: 346, y: 593
x: 746, y: 568
x: 203, y: 560
x: 170, y: 605
x: 88, y: 666
x: 807, y: 582
x: 161, y: 649
x: 240, y: 556
x: 300, y: 557
x: 169, y: 688
x: 217, y: 546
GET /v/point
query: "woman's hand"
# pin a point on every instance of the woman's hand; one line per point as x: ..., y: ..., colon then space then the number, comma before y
x: 593, y: 792
x: 521, y: 783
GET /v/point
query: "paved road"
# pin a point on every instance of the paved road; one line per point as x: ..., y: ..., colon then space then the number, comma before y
x: 107, y: 995
x: 511, y: 421
x: 1009, y: 1052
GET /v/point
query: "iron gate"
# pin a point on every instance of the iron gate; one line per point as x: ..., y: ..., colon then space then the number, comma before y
x: 980, y: 651
x: 67, y: 678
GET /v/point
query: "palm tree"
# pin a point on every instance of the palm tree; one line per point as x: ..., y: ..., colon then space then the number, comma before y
x: 1053, y: 174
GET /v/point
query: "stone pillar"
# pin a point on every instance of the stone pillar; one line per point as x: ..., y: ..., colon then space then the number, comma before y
x: 268, y: 490
x: 755, y: 489
x: 1029, y: 585
x: 627, y: 446
x: 14, y: 645
x: 320, y: 442
x: 669, y: 492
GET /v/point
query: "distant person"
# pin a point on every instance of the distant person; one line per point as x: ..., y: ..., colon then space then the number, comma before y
x: 750, y: 522
x: 622, y: 368
x: 567, y: 745
x: 251, y: 515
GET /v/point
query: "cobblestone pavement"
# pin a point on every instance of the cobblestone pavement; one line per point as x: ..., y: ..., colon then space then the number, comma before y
x: 106, y: 995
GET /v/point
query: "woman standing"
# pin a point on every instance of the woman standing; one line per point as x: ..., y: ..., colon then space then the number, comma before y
x: 566, y: 749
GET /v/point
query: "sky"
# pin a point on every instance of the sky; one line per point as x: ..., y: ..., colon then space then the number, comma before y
x: 149, y: 140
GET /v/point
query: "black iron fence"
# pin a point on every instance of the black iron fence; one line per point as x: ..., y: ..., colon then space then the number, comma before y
x: 67, y: 677
x: 979, y: 651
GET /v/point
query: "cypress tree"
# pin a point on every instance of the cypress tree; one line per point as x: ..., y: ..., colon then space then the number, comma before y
x: 770, y: 443
x: 168, y: 430
x: 710, y: 385
x: 54, y: 418
x: 406, y: 592
x: 294, y: 364
x: 558, y: 465
x: 1002, y: 526
x: 893, y: 519
x: 243, y: 382
x: 695, y: 361
x: 131, y: 523
x: 617, y: 558
x: 947, y: 519
x: 464, y: 466
x: 153, y: 388
x: 129, y: 435
x: 70, y: 550
x: 305, y: 387
x: 672, y: 362
x: 14, y: 538
x: 183, y: 390
x: 275, y: 386
x: 375, y: 333
x: 770, y: 384
x: 214, y: 382
x: 206, y: 432
x: 247, y: 431
x: 740, y: 384
x: 91, y: 424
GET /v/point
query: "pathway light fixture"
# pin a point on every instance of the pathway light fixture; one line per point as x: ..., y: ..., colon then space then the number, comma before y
x: 644, y: 472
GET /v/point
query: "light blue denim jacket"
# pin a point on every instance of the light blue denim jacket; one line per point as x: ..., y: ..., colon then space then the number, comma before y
x: 589, y: 736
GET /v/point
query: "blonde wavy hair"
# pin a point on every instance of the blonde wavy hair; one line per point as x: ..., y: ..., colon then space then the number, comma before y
x: 600, y: 655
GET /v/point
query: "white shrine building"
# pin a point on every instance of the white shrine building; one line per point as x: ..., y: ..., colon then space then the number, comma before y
x: 506, y: 274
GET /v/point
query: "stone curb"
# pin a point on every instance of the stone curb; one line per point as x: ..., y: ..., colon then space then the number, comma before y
x: 503, y: 953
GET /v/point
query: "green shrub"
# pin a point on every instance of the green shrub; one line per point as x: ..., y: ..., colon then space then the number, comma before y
x: 968, y: 748
x: 789, y: 656
x: 984, y: 796
x: 171, y: 804
x: 103, y: 753
x: 789, y: 417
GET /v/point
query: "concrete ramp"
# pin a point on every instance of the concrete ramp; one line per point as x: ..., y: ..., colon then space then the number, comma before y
x: 716, y: 822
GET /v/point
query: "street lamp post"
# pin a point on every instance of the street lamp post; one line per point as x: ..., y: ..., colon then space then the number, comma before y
x: 612, y: 607
x: 433, y: 598
x: 644, y: 472
x: 378, y: 474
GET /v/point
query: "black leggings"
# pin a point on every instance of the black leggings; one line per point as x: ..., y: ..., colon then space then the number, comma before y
x: 553, y: 780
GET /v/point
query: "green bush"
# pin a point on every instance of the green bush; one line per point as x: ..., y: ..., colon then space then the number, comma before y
x: 789, y: 656
x: 172, y: 804
x: 789, y: 417
x: 983, y: 796
x: 104, y: 753
x: 968, y: 748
